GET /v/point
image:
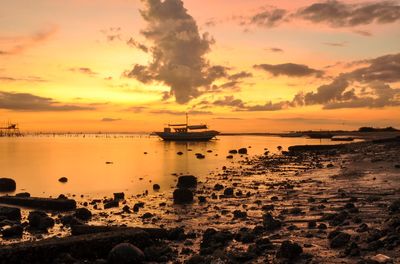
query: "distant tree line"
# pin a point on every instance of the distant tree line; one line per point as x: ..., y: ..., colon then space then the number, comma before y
x: 373, y: 129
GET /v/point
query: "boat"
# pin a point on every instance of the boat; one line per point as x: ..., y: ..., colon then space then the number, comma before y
x: 186, y: 132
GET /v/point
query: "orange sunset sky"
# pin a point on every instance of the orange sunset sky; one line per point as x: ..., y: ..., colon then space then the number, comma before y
x: 132, y: 66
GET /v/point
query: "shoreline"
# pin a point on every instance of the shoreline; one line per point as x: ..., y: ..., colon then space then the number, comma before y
x: 307, y: 192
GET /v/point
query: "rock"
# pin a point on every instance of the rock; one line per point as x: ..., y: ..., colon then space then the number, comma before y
x: 176, y: 234
x: 156, y: 187
x: 125, y: 253
x: 289, y: 250
x: 228, y: 191
x: 229, y: 157
x: 245, y: 235
x: 239, y: 214
x: 213, y: 240
x: 340, y: 240
x: 242, y: 151
x: 147, y: 215
x: 119, y: 196
x: 83, y: 214
x: 40, y: 220
x: 233, y: 151
x: 23, y: 194
x: 111, y: 204
x: 13, y: 231
x: 202, y: 199
x: 218, y: 187
x: 200, y: 156
x: 394, y: 207
x: 381, y: 259
x: 10, y: 213
x: 187, y: 181
x: 183, y: 196
x: 70, y: 220
x: 40, y: 203
x: 270, y: 223
x: 179, y: 153
x: 7, y: 185
x: 63, y: 179
x: 137, y: 206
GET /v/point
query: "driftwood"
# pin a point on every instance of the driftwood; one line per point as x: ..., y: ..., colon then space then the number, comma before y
x: 40, y: 203
x: 91, y: 246
x: 301, y: 148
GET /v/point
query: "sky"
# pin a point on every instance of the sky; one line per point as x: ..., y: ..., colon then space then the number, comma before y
x: 238, y: 66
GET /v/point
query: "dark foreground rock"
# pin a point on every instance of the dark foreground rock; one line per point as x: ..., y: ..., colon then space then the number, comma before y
x: 40, y: 203
x: 183, y: 196
x: 40, y: 220
x: 187, y: 181
x: 125, y: 253
x: 289, y: 250
x: 10, y: 213
x: 7, y: 185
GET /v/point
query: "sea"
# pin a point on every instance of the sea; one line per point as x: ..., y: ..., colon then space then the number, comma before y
x: 98, y: 165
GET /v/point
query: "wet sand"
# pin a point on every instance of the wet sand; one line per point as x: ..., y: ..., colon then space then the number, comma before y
x: 335, y: 205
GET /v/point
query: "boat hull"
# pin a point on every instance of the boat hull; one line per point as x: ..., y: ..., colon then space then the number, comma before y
x: 187, y: 136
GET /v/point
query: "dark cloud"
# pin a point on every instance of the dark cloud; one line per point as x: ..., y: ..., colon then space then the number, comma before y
x: 340, y: 14
x: 336, y: 44
x: 19, y: 44
x: 331, y: 12
x: 276, y: 50
x: 133, y: 43
x: 289, y: 69
x: 240, y: 75
x: 269, y: 106
x: 30, y: 102
x: 112, y: 33
x: 84, y: 70
x: 268, y: 18
x: 229, y: 101
x: 178, y: 51
x: 363, y: 33
x: 367, y: 86
x: 108, y: 119
x: 136, y: 109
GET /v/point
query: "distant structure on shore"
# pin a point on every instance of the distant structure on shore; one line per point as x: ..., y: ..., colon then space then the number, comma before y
x: 10, y: 130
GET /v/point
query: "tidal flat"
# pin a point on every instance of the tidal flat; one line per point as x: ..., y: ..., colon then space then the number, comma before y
x: 310, y: 204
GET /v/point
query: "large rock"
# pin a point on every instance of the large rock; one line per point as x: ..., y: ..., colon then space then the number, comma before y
x: 289, y: 250
x: 183, y: 196
x: 40, y: 220
x: 242, y: 151
x: 7, y: 185
x: 13, y: 231
x: 10, y: 213
x: 125, y: 253
x: 187, y: 181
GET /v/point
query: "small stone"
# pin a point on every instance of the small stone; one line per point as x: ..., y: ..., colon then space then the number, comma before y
x: 270, y: 223
x: 83, y: 214
x: 218, y: 187
x: 381, y: 259
x: 111, y: 204
x: 289, y: 250
x: 239, y: 214
x: 340, y: 240
x: 156, y: 187
x: 125, y: 253
x: 7, y: 185
x: 119, y: 196
x: 229, y: 157
x: 40, y: 220
x: 63, y: 179
x: 10, y: 213
x: 228, y: 191
x: 202, y: 199
x: 179, y: 153
x: 233, y: 151
x: 23, y: 194
x: 242, y: 151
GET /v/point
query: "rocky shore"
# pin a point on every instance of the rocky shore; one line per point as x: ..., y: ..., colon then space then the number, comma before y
x: 310, y: 204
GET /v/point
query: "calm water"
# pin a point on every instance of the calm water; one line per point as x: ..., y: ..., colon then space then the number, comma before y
x: 37, y: 162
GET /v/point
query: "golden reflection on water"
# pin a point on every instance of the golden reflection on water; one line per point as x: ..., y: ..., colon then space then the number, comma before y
x: 37, y: 162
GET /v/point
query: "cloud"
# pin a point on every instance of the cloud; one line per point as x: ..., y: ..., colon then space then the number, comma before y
x: 108, y: 119
x: 289, y: 69
x: 19, y: 44
x: 30, y: 102
x: 276, y: 50
x: 178, y: 52
x: 23, y: 79
x: 84, y: 70
x: 240, y: 75
x: 173, y: 112
x: 363, y: 33
x: 367, y: 86
x: 336, y: 44
x: 133, y: 43
x: 340, y: 14
x: 112, y: 33
x: 137, y: 109
x: 331, y: 12
x: 268, y: 18
x: 269, y: 106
